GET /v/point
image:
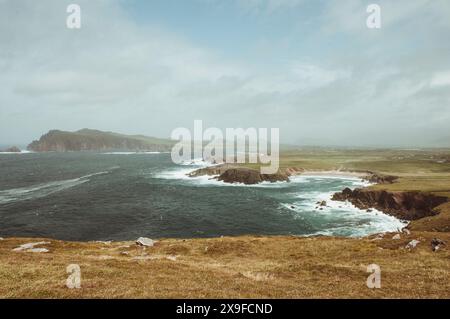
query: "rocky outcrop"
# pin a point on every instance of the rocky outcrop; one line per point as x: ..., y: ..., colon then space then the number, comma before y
x: 290, y: 171
x: 436, y: 244
x: 93, y: 140
x: 13, y: 149
x: 144, y: 241
x: 403, y: 205
x: 211, y: 171
x: 250, y: 176
x: 230, y: 173
x: 380, y: 179
x: 30, y: 247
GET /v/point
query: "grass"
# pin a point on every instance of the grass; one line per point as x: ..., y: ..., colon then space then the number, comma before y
x: 230, y: 267
x: 379, y: 160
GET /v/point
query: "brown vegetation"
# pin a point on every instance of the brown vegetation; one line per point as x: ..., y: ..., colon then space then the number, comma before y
x: 239, y: 267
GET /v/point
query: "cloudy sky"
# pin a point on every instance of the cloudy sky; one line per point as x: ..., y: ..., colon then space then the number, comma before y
x: 311, y: 68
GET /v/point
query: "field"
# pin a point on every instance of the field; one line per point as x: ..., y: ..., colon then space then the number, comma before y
x: 241, y: 267
x: 255, y: 266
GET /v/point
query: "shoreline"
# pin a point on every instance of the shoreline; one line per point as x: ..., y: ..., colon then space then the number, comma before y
x: 309, y: 173
x: 332, y: 173
x: 303, y: 173
x: 246, y: 266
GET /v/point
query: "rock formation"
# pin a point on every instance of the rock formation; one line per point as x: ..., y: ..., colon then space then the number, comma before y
x: 403, y: 205
x: 229, y: 173
x: 250, y: 176
x: 144, y: 241
x: 290, y: 171
x: 211, y: 170
x: 380, y: 179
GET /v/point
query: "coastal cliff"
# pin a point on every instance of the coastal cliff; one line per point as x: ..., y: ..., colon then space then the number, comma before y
x: 234, y: 174
x: 211, y: 170
x: 93, y: 140
x: 250, y: 176
x: 403, y: 205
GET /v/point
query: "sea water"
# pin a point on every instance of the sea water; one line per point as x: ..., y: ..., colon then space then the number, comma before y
x: 122, y: 196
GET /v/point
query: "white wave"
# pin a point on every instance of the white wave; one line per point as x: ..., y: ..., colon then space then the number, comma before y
x: 176, y: 173
x: 356, y: 181
x: 198, y: 162
x: 182, y: 175
x: 349, y: 220
x: 16, y: 153
x: 42, y: 190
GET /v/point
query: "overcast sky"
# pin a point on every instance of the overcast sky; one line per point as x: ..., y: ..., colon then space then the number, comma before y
x: 311, y: 68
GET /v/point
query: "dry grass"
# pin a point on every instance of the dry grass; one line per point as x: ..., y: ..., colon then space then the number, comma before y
x: 409, y: 162
x: 239, y: 267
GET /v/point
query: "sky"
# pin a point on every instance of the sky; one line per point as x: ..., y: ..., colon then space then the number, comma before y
x: 311, y: 68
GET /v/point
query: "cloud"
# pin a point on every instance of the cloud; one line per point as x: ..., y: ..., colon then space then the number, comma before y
x: 259, y: 7
x: 440, y: 79
x: 340, y: 83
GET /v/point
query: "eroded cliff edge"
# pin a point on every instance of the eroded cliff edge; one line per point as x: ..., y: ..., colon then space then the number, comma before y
x: 403, y: 205
x: 234, y: 174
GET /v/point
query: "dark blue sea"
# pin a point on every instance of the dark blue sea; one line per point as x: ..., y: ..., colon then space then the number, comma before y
x: 122, y: 196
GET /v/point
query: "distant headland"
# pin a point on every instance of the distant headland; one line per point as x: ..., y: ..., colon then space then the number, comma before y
x: 95, y: 140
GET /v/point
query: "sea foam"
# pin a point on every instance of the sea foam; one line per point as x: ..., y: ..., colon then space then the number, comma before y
x: 43, y: 190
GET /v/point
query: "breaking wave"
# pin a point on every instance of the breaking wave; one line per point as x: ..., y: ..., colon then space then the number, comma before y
x: 42, y: 190
x: 302, y: 197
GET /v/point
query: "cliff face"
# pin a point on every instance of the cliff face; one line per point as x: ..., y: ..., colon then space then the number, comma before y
x: 92, y: 140
x: 403, y: 205
x: 211, y: 171
x: 233, y: 174
x: 250, y: 176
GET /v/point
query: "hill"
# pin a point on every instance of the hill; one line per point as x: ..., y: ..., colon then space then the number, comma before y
x: 94, y: 140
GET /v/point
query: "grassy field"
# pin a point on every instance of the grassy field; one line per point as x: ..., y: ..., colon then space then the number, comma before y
x: 253, y: 266
x: 404, y: 162
x: 239, y: 267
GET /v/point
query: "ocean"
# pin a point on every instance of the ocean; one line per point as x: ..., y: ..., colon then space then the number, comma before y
x: 123, y: 196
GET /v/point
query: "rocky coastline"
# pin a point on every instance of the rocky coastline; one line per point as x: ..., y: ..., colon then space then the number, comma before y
x: 406, y: 206
x: 235, y: 174
x: 403, y: 205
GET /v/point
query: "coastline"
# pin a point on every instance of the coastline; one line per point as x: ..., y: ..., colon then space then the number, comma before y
x: 332, y: 173
x: 256, y: 266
